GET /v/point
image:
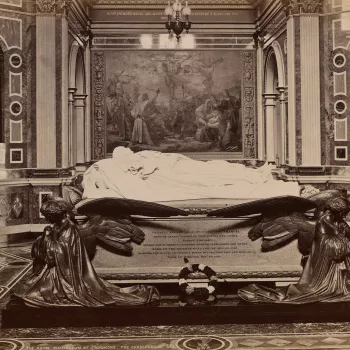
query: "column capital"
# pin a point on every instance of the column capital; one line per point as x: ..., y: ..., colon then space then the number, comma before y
x: 52, y: 7
x: 79, y: 100
x: 80, y: 96
x: 282, y: 96
x: 71, y: 92
x: 294, y: 7
x: 270, y: 99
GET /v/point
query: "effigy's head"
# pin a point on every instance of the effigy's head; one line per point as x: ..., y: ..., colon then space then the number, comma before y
x: 54, y: 210
x: 121, y: 153
x: 340, y: 206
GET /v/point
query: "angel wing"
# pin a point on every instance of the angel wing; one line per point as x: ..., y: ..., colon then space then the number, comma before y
x: 115, y: 207
x: 116, y: 234
x: 276, y: 231
x: 108, y: 221
x: 282, y: 218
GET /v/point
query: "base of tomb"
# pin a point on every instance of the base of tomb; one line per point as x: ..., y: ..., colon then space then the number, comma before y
x: 169, y: 312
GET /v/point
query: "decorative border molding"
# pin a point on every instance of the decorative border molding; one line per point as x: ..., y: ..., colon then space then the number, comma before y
x: 15, y: 76
x: 12, y: 150
x: 297, y: 59
x: 341, y: 124
x: 20, y: 59
x: 20, y: 111
x: 249, y: 105
x: 99, y: 127
x: 335, y: 107
x: 339, y: 83
x: 242, y: 275
x: 12, y: 123
x: 336, y: 148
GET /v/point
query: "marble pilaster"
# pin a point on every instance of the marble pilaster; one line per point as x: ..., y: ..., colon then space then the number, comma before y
x: 46, y: 91
x: 291, y: 92
x: 310, y: 89
x: 65, y: 95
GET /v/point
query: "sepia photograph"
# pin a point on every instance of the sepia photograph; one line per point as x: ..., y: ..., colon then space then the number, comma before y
x: 174, y: 174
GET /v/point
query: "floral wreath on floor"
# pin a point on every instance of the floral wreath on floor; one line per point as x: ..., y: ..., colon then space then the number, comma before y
x: 190, y: 295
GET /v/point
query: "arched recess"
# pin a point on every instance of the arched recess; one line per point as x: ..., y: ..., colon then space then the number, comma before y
x: 275, y: 106
x: 76, y: 113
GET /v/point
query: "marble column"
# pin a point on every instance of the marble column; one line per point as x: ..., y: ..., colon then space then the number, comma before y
x: 88, y: 126
x: 79, y: 104
x: 270, y: 137
x: 283, y: 111
x: 46, y: 90
x: 310, y: 89
x: 71, y: 129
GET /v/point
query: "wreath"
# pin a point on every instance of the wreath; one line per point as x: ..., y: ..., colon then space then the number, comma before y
x: 193, y: 295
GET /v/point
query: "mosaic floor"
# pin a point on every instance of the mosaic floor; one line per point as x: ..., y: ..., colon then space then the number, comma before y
x: 15, y: 262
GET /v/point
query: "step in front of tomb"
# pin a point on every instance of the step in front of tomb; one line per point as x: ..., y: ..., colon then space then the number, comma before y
x: 169, y: 312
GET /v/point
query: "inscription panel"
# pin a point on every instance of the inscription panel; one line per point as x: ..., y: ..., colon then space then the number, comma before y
x: 220, y: 243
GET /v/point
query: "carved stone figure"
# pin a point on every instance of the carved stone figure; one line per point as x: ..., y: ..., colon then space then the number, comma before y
x: 164, y: 177
x: 63, y: 274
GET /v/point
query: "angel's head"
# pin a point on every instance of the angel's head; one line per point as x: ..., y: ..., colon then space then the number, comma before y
x: 54, y: 210
x: 339, y: 206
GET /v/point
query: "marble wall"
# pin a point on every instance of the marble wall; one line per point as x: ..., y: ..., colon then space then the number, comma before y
x: 16, y: 42
x: 335, y: 83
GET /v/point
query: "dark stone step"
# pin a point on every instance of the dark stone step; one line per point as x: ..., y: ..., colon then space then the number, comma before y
x: 169, y: 312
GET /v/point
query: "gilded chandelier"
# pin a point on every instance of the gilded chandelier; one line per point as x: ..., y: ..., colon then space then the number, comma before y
x: 178, y: 18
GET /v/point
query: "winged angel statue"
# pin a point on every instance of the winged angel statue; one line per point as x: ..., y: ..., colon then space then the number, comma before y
x: 62, y: 271
x: 108, y: 221
x: 325, y: 246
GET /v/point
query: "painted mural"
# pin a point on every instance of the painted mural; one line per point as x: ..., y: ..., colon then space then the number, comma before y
x: 188, y: 101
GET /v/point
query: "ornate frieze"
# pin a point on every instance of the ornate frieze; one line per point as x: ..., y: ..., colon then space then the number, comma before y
x: 146, y: 3
x: 46, y: 6
x: 249, y: 97
x: 99, y: 105
x: 293, y: 7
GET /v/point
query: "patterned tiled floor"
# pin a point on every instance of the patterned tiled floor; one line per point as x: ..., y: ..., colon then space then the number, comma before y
x: 208, y: 342
x: 15, y: 262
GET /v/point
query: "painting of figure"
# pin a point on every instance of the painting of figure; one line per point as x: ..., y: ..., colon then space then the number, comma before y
x: 174, y: 101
